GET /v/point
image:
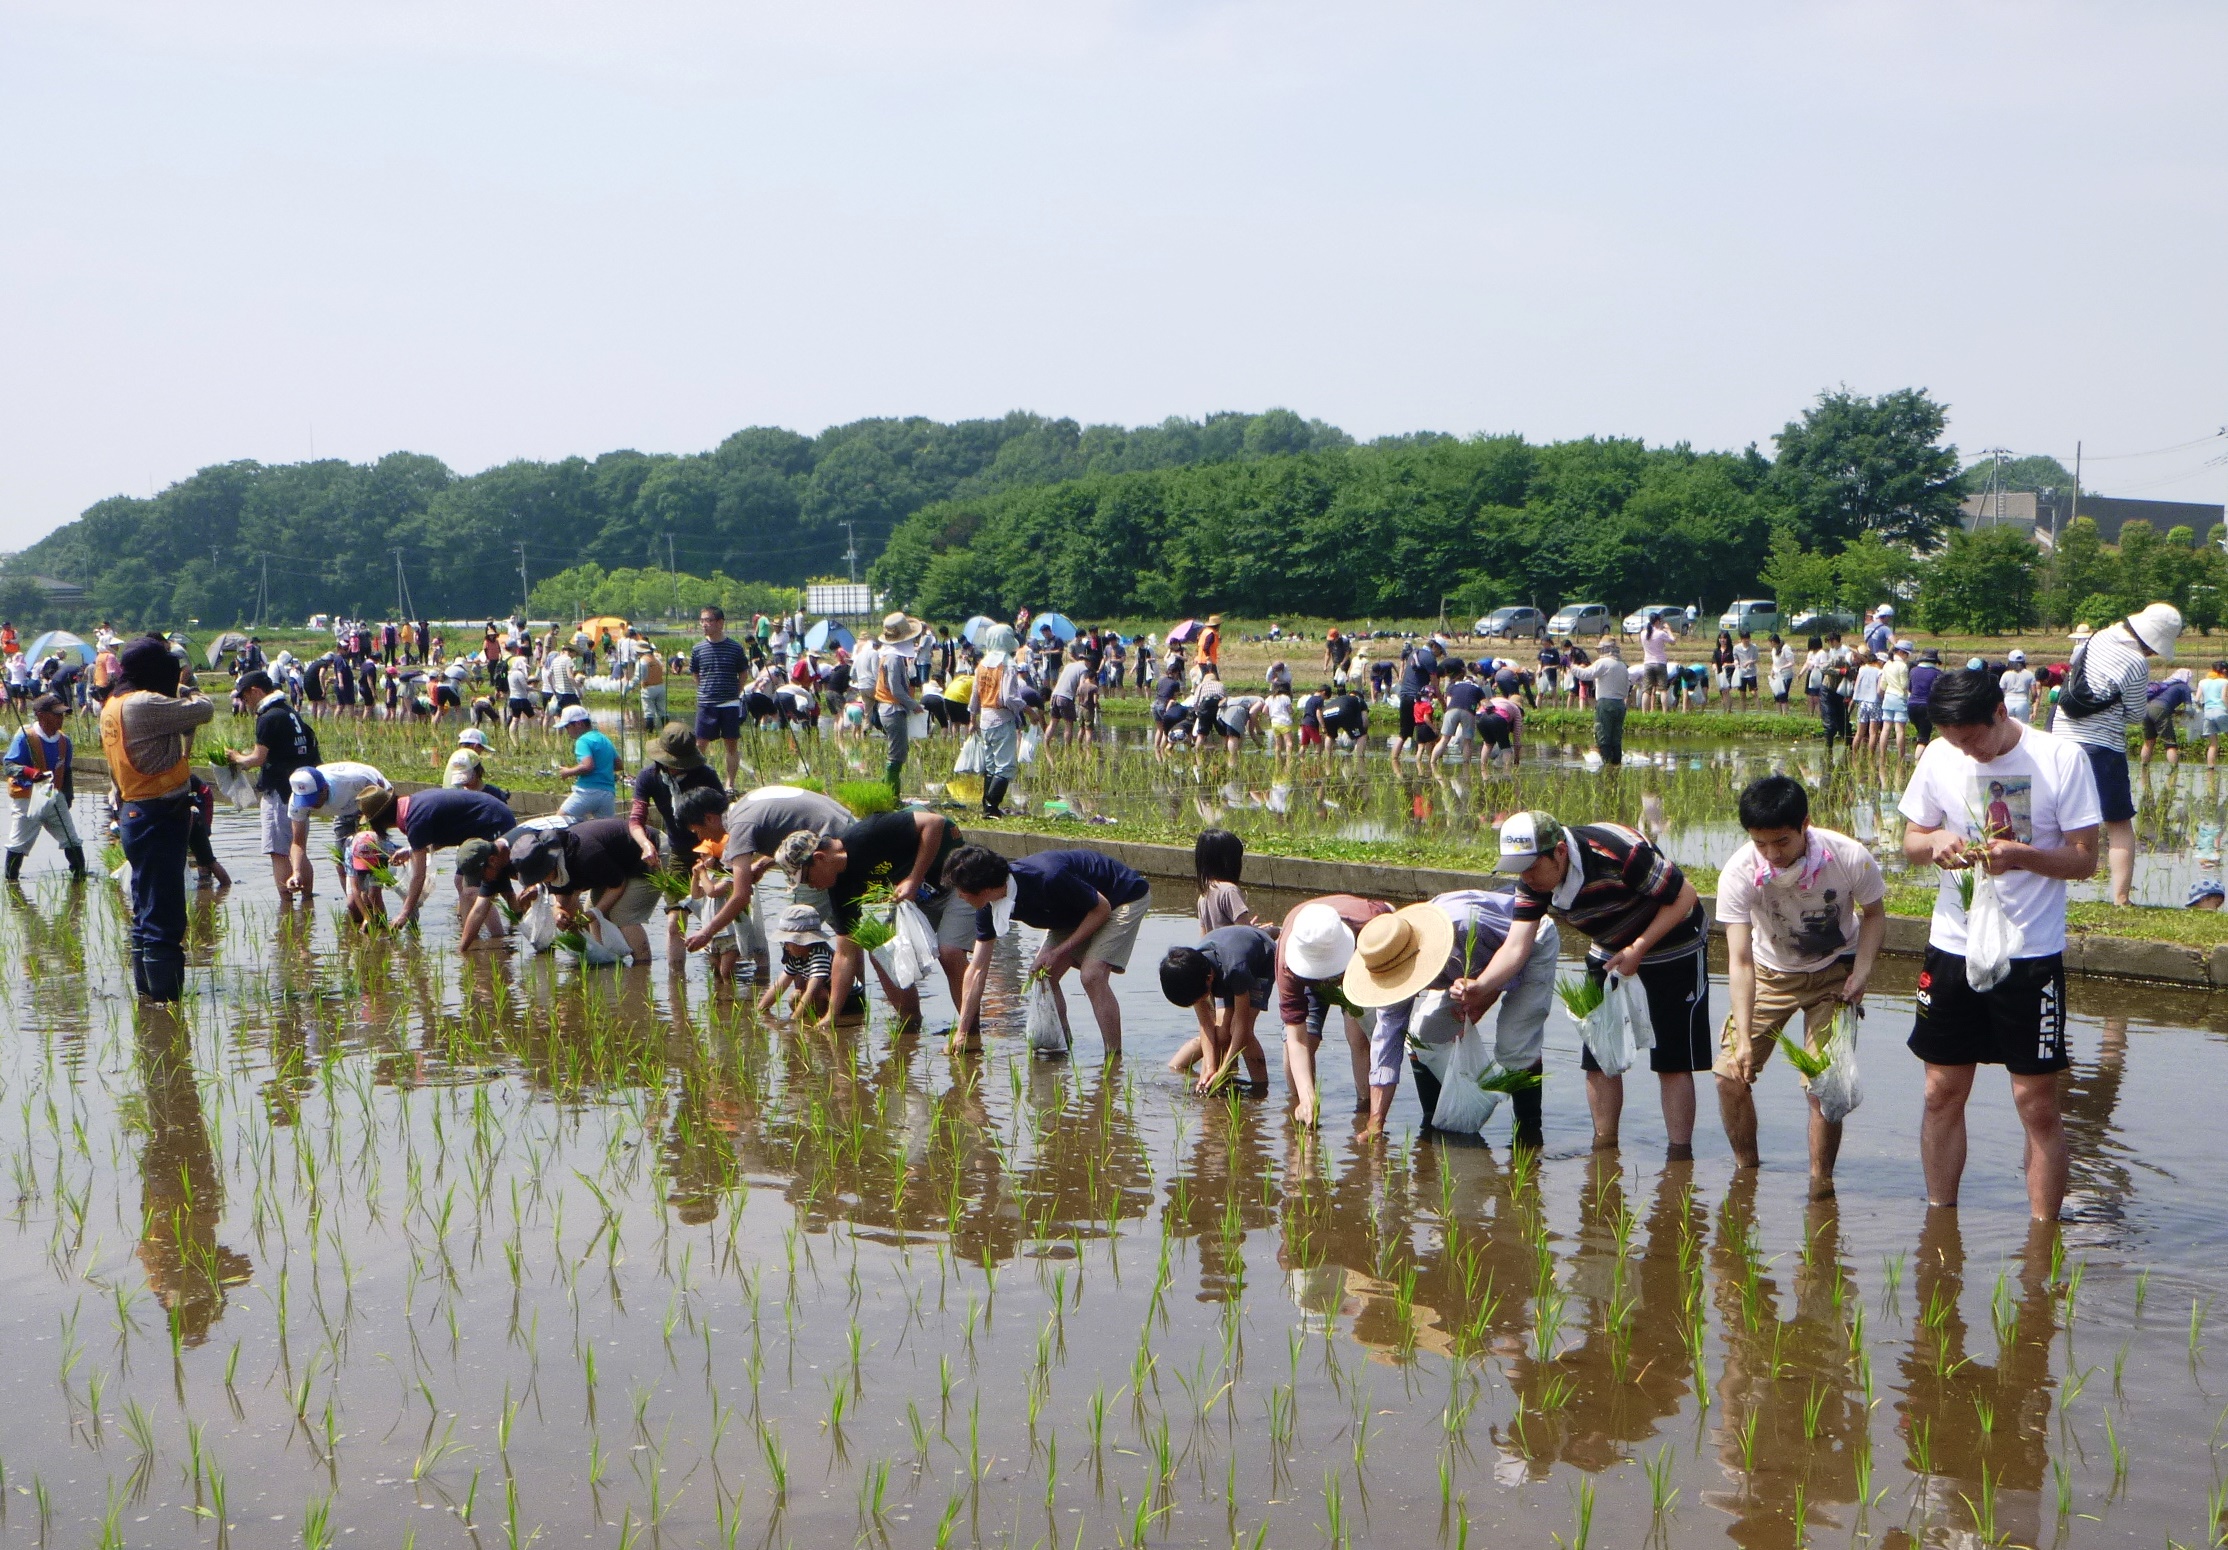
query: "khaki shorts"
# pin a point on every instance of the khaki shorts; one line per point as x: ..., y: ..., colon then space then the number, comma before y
x: 1779, y: 996
x: 636, y: 902
x: 1113, y: 942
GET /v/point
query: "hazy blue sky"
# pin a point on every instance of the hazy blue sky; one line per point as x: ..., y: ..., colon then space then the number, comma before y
x: 495, y: 230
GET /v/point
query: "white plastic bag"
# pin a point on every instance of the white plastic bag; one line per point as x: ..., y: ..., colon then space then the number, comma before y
x: 537, y: 930
x: 910, y: 956
x: 1463, y: 1106
x: 969, y: 761
x: 1046, y: 1034
x: 1617, y: 1031
x: 235, y: 786
x: 916, y: 725
x: 1837, y: 1088
x: 1992, y: 938
x: 603, y: 942
x: 1026, y: 752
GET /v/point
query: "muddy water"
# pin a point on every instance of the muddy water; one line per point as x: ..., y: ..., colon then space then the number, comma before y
x: 475, y: 1253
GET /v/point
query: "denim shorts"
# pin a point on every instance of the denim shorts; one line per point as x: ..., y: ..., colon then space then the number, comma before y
x: 2216, y: 723
x: 1895, y: 710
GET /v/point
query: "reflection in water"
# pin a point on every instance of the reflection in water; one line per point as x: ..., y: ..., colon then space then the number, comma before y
x: 181, y: 1195
x: 2098, y: 1183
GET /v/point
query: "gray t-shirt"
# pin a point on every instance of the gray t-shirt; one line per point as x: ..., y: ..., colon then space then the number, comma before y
x: 758, y: 823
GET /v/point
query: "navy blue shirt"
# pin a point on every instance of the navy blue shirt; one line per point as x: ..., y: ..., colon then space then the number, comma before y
x: 1423, y: 665
x: 718, y: 668
x: 450, y: 815
x: 1245, y: 963
x: 1054, y: 889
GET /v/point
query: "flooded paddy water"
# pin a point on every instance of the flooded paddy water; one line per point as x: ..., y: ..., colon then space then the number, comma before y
x: 374, y: 1243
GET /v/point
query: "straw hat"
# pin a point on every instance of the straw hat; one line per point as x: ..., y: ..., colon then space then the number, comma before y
x: 1398, y: 955
x: 898, y: 628
x: 675, y: 748
x: 1317, y: 943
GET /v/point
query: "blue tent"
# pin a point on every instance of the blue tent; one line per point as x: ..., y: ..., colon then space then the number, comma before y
x: 829, y: 635
x: 1062, y: 627
x: 974, y: 629
x: 61, y: 641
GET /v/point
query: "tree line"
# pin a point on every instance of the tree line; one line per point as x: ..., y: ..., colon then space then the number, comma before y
x: 242, y: 541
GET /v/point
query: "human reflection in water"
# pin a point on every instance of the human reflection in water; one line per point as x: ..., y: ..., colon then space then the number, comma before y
x: 1621, y: 1367
x: 1087, y: 1169
x: 2098, y: 1182
x: 1790, y: 1424
x: 53, y: 939
x: 1220, y: 1198
x: 181, y: 1194
x: 1963, y: 1419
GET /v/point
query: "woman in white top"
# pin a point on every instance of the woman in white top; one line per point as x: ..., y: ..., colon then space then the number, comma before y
x: 2018, y: 684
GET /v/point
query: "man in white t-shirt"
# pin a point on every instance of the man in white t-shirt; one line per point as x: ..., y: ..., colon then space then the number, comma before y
x: 2026, y: 800
x: 1804, y: 910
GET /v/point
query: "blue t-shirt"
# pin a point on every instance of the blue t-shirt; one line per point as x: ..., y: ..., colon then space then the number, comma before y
x: 603, y: 772
x: 1054, y: 889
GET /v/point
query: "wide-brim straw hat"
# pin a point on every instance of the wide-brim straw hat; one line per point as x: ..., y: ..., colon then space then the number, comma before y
x: 1318, y: 944
x: 898, y: 628
x: 1398, y: 955
x: 675, y: 748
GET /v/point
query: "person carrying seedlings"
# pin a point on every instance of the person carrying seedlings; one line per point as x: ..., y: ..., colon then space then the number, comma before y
x: 1089, y: 906
x: 1419, y: 968
x: 750, y: 832
x: 1224, y: 978
x: 904, y: 853
x: 433, y: 820
x: 368, y: 875
x: 806, y: 964
x: 994, y: 711
x: 41, y: 787
x: 1314, y: 945
x: 1646, y: 924
x: 598, y: 858
x: 2048, y: 791
x: 1804, y: 911
x: 331, y: 789
x: 147, y: 733
x: 595, y: 771
x: 284, y: 742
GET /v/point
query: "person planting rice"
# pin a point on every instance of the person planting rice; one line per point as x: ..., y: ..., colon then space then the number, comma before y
x: 1089, y: 906
x: 595, y: 772
x: 367, y: 876
x: 2045, y: 833
x: 1313, y: 947
x: 284, y: 743
x: 806, y: 964
x: 674, y: 767
x: 1224, y: 978
x: 598, y: 858
x: 1418, y: 969
x: 905, y: 853
x: 751, y: 832
x: 41, y: 787
x: 1805, y: 912
x: 429, y: 821
x: 1646, y: 923
x: 332, y: 790
x: 146, y: 735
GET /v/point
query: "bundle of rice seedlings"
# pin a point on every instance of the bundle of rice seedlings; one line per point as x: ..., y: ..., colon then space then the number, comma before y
x: 672, y: 884
x: 1811, y: 1066
x: 867, y: 797
x: 876, y: 923
x: 1500, y: 1079
x: 1581, y: 997
x: 573, y: 942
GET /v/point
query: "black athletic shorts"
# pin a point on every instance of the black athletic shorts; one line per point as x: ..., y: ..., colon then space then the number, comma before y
x: 2020, y: 1025
x: 1679, y: 1007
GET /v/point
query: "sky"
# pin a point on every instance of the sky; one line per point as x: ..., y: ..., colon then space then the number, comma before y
x: 271, y: 231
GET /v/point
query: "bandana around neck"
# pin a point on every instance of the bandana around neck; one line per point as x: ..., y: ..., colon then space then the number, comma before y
x: 1804, y: 873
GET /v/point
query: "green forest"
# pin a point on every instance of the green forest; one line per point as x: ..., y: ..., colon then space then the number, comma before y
x: 1261, y: 514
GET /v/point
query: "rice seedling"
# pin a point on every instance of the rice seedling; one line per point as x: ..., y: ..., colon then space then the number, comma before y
x: 1582, y: 1515
x: 1661, y: 1492
x: 1581, y: 998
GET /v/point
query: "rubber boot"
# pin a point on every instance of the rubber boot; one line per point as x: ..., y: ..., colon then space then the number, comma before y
x: 890, y: 774
x: 1527, y: 1106
x: 15, y: 865
x: 75, y: 855
x: 994, y: 793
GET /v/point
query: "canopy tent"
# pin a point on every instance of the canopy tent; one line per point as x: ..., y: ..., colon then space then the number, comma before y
x: 974, y: 629
x: 828, y: 635
x: 61, y: 642
x: 1062, y: 627
x: 608, y: 624
x: 230, y: 640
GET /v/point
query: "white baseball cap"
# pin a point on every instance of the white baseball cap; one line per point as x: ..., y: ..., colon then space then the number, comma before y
x: 472, y: 737
x: 1318, y: 945
x: 2015, y: 655
x: 1884, y: 611
x: 308, y: 789
x: 1526, y: 837
x: 571, y: 714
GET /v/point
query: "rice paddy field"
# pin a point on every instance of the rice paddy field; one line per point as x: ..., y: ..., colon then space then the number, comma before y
x: 372, y: 1242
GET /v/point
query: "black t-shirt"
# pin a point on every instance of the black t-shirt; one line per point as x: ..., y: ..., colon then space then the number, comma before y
x: 880, y: 852
x: 1423, y: 663
x: 1054, y: 889
x: 595, y: 855
x: 288, y: 743
x: 1346, y: 713
x: 662, y: 788
x: 448, y: 815
x: 1466, y: 695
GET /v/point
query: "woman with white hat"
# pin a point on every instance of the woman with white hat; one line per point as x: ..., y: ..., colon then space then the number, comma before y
x: 1313, y: 948
x: 2107, y: 687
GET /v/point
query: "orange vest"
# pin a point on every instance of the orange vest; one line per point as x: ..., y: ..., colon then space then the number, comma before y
x: 132, y: 783
x: 35, y: 743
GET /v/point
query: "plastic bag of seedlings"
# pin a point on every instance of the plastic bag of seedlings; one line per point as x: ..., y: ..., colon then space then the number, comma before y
x: 969, y: 761
x: 1992, y: 937
x: 1618, y: 1029
x: 1837, y: 1088
x: 1047, y: 1034
x: 537, y: 929
x: 909, y: 956
x: 1464, y: 1106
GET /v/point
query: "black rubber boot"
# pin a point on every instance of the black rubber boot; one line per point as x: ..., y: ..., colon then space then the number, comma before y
x: 890, y: 774
x: 993, y: 794
x: 75, y: 855
x: 1528, y: 1131
x: 15, y: 865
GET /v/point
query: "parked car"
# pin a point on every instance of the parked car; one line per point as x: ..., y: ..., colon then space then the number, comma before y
x: 1823, y: 621
x: 1585, y: 620
x: 1758, y: 616
x: 1513, y: 624
x: 1638, y: 619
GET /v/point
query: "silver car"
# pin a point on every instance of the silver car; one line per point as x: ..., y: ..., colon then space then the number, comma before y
x: 1639, y: 619
x: 1586, y: 620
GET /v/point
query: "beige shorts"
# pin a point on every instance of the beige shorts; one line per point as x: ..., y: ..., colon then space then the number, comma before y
x: 636, y: 903
x: 1113, y: 942
x: 1779, y: 996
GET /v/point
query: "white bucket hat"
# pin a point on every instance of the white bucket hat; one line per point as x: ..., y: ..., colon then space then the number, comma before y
x: 1318, y: 945
x: 2157, y: 627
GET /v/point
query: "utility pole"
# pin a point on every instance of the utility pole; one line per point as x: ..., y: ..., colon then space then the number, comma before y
x: 525, y: 598
x: 2076, y: 512
x: 851, y: 553
x: 675, y: 574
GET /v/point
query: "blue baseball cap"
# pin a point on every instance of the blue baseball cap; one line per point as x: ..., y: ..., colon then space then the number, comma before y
x: 309, y: 789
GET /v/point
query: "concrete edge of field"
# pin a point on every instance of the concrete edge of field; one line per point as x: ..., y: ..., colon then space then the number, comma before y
x: 2103, y: 957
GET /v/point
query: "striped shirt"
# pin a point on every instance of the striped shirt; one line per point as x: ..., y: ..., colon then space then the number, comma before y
x: 1625, y: 881
x: 2110, y: 662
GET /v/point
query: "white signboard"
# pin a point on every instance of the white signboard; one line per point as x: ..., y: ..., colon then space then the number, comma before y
x: 840, y: 599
